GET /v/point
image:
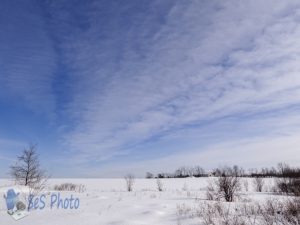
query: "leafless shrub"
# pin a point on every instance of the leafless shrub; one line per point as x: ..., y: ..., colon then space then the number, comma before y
x: 228, y: 184
x: 250, y: 212
x: 230, y: 216
x: 218, y: 213
x: 225, y: 186
x: 70, y: 187
x: 288, y: 181
x: 246, y: 185
x: 183, y: 210
x: 65, y: 187
x: 159, y: 185
x: 211, y: 191
x: 258, y: 183
x: 281, y: 213
x: 207, y: 212
x: 129, y: 179
x: 272, y: 212
x: 292, y: 211
x: 290, y: 186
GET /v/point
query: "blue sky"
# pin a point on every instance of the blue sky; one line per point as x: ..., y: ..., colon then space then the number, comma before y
x: 110, y: 87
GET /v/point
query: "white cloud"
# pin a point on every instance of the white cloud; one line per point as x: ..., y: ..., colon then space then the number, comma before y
x: 206, y: 61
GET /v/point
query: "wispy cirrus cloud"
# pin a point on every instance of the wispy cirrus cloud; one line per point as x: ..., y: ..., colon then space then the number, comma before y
x: 150, y: 82
x: 144, y: 71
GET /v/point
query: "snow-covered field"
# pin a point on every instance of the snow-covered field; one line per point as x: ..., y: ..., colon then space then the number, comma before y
x: 106, y: 201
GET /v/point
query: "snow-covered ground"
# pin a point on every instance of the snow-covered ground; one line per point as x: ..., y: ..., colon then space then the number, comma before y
x: 106, y: 201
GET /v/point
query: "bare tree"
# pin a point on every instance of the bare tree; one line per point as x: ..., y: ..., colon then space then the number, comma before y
x: 27, y: 169
x: 258, y: 183
x: 159, y: 185
x: 149, y: 175
x: 199, y: 171
x: 238, y: 171
x: 181, y: 172
x: 129, y: 181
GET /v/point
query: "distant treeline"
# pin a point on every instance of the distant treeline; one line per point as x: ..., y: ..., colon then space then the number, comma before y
x: 282, y: 170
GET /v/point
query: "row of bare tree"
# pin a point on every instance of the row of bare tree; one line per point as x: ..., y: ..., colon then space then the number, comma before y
x: 27, y: 171
x: 228, y: 184
x: 181, y: 172
x: 282, y: 170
